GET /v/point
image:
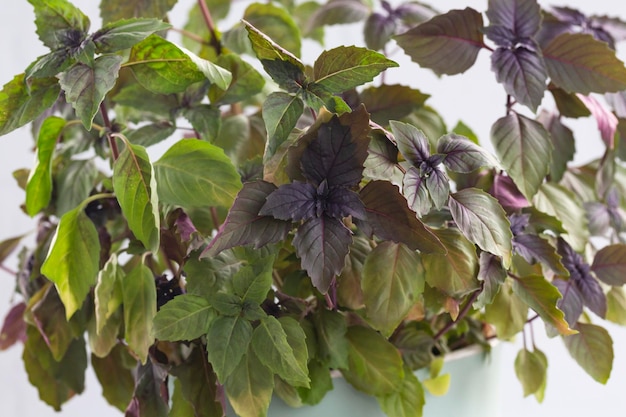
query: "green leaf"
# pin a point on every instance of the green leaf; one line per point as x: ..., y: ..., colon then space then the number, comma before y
x: 194, y: 173
x: 73, y: 260
x: 578, y: 63
x: 198, y: 384
x: 321, y: 383
x: 59, y: 23
x: 296, y: 338
x: 530, y: 370
x: 102, y: 341
x: 124, y: 34
x: 135, y: 187
x: 563, y: 142
x: 344, y: 68
x: 416, y: 346
x: 180, y: 407
x: 616, y: 305
x: 47, y: 311
x: 375, y: 365
x: 186, y: 317
x: 407, y: 401
x: 114, y: 10
x: 281, y: 112
x: 73, y: 184
x: 592, y: 348
x: 507, y: 312
x: 393, y: 278
x: 457, y: 32
x: 455, y: 272
x: 269, y: 342
x: 483, y: 221
x: 152, y: 134
x: 139, y: 292
x: 115, y: 376
x: 162, y: 67
x: 249, y: 387
x: 246, y: 81
x: 392, y: 102
x: 609, y: 264
x: 227, y: 344
x: 463, y: 155
x: 338, y: 12
x: 277, y: 23
x: 561, y: 203
x: 253, y: 281
x: 39, y: 187
x: 331, y: 329
x: 21, y: 103
x: 525, y: 150
x: 391, y: 219
x: 85, y: 86
x: 7, y: 247
x: 267, y: 50
x: 542, y: 296
x: 437, y: 385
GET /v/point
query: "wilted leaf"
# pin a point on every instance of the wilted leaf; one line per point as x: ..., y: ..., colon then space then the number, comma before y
x: 456, y: 33
x: 135, y: 187
x: 523, y: 146
x: 73, y: 260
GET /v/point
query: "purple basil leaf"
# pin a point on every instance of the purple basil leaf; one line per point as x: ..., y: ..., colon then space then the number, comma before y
x: 535, y: 249
x: 412, y: 143
x: 295, y: 201
x: 572, y: 303
x: 563, y: 141
x: 614, y: 26
x: 507, y: 193
x: 413, y: 12
x: 334, y: 156
x: 244, y: 225
x: 609, y: 264
x: 148, y: 396
x: 378, y: 30
x: 599, y: 218
x: 390, y: 218
x: 523, y: 17
x: 521, y: 71
x: 492, y: 274
x: 618, y: 102
x: 342, y: 202
x: 416, y: 193
x: 14, y: 327
x: 502, y: 36
x: 322, y: 244
x: 519, y: 222
x: 463, y: 155
x: 438, y: 186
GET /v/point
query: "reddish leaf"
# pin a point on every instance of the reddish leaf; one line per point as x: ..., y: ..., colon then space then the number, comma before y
x: 609, y: 264
x: 14, y: 327
x: 607, y: 122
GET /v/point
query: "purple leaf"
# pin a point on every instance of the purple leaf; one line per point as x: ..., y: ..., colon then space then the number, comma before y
x: 416, y: 193
x: 463, y: 155
x: 456, y: 33
x: 519, y: 222
x: 535, y: 249
x: 378, y: 30
x: 618, y: 102
x: 507, y: 193
x: 389, y: 218
x: 598, y: 216
x: 438, y: 186
x: 322, y: 244
x: 501, y: 36
x: 523, y: 17
x: 150, y: 386
x: 606, y: 120
x: 342, y: 202
x: 522, y: 73
x: 244, y: 225
x: 572, y: 303
x: 492, y: 274
x: 14, y: 327
x: 412, y: 143
x: 609, y: 264
x: 334, y: 156
x: 563, y: 141
x: 391, y: 102
x: 295, y: 201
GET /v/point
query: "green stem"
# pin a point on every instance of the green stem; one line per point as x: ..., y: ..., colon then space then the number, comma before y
x: 466, y: 308
x: 95, y: 197
x: 109, y: 129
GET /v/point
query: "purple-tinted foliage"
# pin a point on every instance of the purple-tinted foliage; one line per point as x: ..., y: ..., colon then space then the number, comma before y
x: 342, y: 202
x: 334, y: 156
x: 574, y: 21
x: 521, y: 17
x: 580, y: 275
x: 295, y: 201
x: 14, y: 327
x: 507, y: 193
x: 572, y: 303
x: 519, y: 222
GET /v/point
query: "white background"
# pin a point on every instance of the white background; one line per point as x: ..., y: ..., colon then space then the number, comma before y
x: 473, y: 97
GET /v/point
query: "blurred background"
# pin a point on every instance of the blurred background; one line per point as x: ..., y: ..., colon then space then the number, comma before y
x: 473, y: 97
